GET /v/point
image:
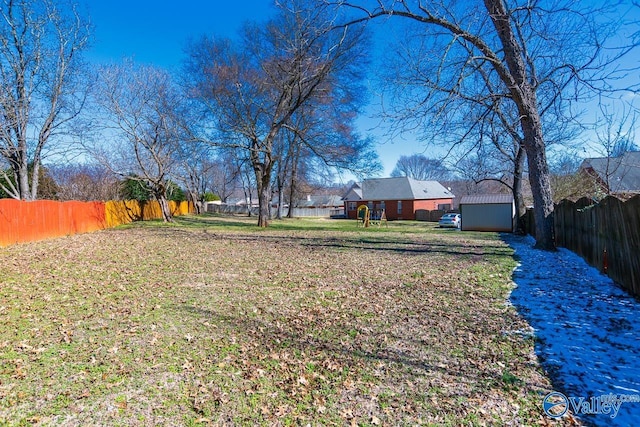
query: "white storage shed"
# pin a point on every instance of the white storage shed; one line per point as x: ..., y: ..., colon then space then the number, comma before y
x: 488, y: 212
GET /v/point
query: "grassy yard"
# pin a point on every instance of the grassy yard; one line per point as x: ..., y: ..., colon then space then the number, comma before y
x: 212, y: 321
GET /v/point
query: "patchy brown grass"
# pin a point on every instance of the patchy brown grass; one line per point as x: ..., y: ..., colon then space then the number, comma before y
x: 213, y: 321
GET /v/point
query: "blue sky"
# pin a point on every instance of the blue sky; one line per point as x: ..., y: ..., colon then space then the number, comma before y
x: 156, y: 32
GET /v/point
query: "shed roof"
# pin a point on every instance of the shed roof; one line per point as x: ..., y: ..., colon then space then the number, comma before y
x: 486, y: 199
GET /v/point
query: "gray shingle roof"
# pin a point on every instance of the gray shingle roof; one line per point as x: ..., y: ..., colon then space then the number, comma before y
x: 623, y: 173
x: 401, y: 188
x: 354, y: 193
x: 320, y: 201
x: 486, y: 199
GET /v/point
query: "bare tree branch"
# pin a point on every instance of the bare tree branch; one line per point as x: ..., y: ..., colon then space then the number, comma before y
x: 41, y: 90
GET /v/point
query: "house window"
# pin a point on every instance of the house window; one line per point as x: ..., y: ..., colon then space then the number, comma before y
x: 380, y: 206
x: 399, y: 207
x: 444, y: 207
x: 351, y: 206
x: 370, y: 205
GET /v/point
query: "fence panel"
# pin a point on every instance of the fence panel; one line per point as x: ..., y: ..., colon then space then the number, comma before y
x: 606, y: 235
x: 230, y: 209
x: 432, y: 216
x: 42, y: 219
x: 311, y: 212
x: 297, y: 212
x: 120, y: 212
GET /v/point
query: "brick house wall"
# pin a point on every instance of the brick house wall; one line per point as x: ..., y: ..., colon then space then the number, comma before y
x: 407, y: 208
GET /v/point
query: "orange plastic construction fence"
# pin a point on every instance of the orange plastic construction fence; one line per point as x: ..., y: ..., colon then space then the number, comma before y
x: 42, y: 219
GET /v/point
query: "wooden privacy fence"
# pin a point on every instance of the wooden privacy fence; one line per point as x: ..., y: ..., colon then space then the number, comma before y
x: 118, y: 212
x: 432, y: 216
x: 43, y: 219
x: 606, y: 235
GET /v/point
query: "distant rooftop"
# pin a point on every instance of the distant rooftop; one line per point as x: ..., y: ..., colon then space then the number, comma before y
x: 400, y: 188
x: 621, y: 174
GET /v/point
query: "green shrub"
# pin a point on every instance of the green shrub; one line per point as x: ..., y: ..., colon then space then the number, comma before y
x: 210, y: 197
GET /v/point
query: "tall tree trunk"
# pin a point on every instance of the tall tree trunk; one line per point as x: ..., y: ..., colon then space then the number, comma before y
x: 198, y: 203
x: 262, y: 167
x: 540, y: 183
x: 23, y: 184
x: 518, y: 197
x: 294, y: 179
x: 35, y: 179
x: 22, y: 175
x: 280, y: 179
x: 280, y: 197
x: 263, y: 181
x: 264, y: 193
x: 292, y: 192
x: 164, y: 207
x: 524, y: 96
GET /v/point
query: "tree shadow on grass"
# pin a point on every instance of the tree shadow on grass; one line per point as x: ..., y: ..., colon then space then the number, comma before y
x: 586, y: 328
x: 204, y: 228
x: 383, y: 242
x: 208, y: 221
x: 271, y: 336
x: 415, y: 362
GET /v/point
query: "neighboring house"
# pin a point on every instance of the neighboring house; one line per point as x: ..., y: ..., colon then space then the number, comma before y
x: 320, y: 201
x: 328, y: 205
x: 244, y: 202
x: 488, y: 212
x: 399, y: 197
x: 615, y: 175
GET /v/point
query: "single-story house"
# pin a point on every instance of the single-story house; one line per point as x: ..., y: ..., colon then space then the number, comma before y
x: 330, y: 205
x: 400, y: 197
x: 488, y: 212
x: 320, y: 201
x: 615, y: 175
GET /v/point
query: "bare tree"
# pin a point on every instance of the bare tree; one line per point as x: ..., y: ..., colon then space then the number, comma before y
x: 420, y: 167
x: 248, y: 183
x: 41, y: 88
x: 195, y: 163
x: 495, y: 51
x: 86, y: 182
x: 566, y: 180
x: 225, y: 175
x: 143, y: 123
x: 321, y: 138
x: 254, y: 89
x: 500, y: 153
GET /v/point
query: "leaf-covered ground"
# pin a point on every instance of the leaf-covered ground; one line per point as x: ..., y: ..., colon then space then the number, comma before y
x: 214, y: 322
